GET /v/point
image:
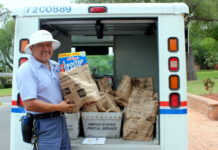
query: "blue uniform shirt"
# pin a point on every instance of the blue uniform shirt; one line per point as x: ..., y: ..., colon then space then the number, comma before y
x: 35, y: 80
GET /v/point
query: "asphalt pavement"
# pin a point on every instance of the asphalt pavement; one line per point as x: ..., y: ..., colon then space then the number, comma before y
x: 5, y: 99
x: 5, y: 119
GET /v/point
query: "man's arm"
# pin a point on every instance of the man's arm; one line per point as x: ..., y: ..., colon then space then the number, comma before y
x: 40, y: 106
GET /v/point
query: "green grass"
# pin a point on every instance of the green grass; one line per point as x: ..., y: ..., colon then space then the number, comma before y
x: 204, y: 74
x: 197, y: 87
x: 5, y: 92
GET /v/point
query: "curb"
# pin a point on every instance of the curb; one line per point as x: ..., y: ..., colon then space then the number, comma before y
x: 204, y: 105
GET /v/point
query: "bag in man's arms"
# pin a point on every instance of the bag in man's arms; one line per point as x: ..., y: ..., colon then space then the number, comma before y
x: 78, y: 86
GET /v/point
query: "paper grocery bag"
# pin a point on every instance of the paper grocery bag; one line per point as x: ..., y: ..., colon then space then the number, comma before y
x: 107, y: 104
x: 140, y: 96
x: 138, y: 129
x: 145, y: 83
x: 91, y: 107
x: 104, y: 85
x: 78, y: 86
x: 148, y: 109
x: 123, y: 91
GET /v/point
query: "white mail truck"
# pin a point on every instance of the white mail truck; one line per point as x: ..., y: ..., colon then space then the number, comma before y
x: 142, y: 40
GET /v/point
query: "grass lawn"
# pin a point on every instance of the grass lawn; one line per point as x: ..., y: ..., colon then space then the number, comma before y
x: 5, y: 92
x: 197, y: 87
x: 204, y: 74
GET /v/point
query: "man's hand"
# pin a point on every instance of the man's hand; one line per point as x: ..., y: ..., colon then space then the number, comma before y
x: 65, y: 106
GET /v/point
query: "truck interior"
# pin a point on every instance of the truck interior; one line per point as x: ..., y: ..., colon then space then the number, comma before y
x: 121, y: 45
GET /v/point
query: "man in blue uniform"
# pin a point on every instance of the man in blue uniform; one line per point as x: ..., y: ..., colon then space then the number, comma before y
x: 39, y: 87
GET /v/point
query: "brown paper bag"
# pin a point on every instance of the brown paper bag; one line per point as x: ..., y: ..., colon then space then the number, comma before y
x: 78, y: 86
x: 103, y: 85
x: 120, y: 102
x: 140, y: 96
x: 148, y: 109
x: 145, y: 83
x: 91, y: 107
x: 155, y: 96
x: 123, y: 91
x: 112, y: 92
x: 107, y: 104
x: 138, y: 129
x: 132, y: 113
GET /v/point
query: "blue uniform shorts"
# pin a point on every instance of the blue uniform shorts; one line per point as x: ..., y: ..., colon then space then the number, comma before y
x: 52, y: 134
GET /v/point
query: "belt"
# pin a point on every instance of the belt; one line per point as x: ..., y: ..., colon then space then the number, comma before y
x: 48, y: 115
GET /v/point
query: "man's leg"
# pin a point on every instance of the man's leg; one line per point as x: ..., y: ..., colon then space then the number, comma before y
x: 49, y: 132
x: 66, y: 145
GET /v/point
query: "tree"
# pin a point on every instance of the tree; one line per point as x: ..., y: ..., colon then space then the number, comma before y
x: 202, y: 13
x: 7, y: 44
x: 204, y: 41
x: 211, y: 47
x: 203, y: 10
x: 101, y: 65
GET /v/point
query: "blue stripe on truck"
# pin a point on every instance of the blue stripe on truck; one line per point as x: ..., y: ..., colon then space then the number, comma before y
x: 162, y: 111
x: 17, y: 110
x: 173, y: 111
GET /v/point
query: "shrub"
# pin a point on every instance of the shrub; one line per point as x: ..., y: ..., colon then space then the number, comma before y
x: 209, y: 84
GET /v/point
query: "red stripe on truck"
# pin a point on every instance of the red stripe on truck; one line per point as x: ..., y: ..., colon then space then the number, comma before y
x: 13, y: 103
x: 165, y: 103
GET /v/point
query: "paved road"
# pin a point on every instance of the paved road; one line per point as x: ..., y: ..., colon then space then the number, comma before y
x: 5, y: 123
x: 5, y: 99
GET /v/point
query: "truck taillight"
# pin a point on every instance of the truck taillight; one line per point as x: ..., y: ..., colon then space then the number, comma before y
x: 174, y: 82
x: 173, y: 64
x: 173, y: 44
x: 22, y: 60
x: 19, y: 100
x: 23, y: 44
x: 175, y: 100
x: 97, y: 9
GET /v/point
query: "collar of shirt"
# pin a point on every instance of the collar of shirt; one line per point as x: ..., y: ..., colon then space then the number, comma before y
x: 38, y: 64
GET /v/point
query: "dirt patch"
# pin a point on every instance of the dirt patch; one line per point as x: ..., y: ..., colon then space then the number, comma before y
x: 211, y: 96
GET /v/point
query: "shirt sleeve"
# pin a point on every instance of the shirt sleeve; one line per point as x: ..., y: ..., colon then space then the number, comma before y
x: 26, y: 82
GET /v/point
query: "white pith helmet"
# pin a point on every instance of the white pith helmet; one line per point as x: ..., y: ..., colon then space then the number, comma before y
x: 42, y: 36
